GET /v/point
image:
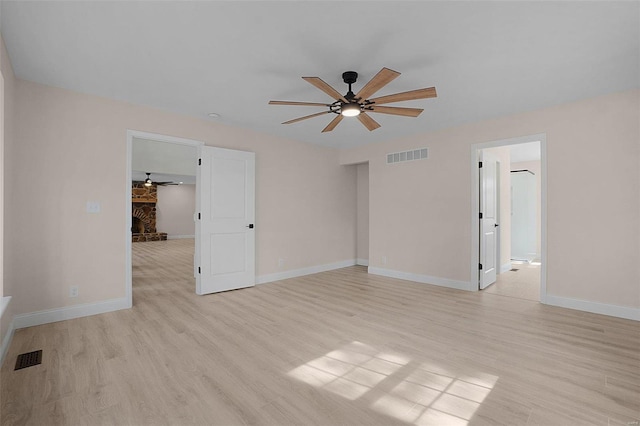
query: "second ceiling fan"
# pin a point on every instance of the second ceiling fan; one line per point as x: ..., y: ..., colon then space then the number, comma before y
x: 359, y: 104
x: 149, y: 182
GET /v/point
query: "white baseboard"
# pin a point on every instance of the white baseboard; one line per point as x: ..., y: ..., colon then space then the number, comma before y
x: 263, y: 279
x: 594, y: 307
x: 506, y: 267
x: 7, y: 341
x: 69, y: 312
x: 425, y: 279
x: 179, y: 237
x: 362, y: 262
x: 4, y: 304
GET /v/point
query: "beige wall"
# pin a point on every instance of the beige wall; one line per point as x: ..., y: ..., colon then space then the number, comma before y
x: 8, y: 106
x: 362, y: 220
x: 305, y: 201
x: 175, y: 208
x: 1, y: 178
x: 421, y: 211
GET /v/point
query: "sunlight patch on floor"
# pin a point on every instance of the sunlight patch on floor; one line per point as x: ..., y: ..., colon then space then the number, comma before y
x: 350, y: 371
x: 425, y: 394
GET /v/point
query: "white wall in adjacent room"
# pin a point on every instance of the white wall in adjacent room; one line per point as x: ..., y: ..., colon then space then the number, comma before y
x: 174, y: 210
x: 534, y: 166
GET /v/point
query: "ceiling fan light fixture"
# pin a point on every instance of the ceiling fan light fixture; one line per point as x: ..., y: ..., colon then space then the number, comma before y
x: 147, y: 181
x: 354, y: 104
x: 351, y: 109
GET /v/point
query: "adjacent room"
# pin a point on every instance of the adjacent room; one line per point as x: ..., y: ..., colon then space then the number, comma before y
x: 517, y: 222
x: 318, y: 212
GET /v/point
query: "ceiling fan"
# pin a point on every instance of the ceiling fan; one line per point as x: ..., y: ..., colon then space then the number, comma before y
x: 149, y: 182
x: 360, y: 104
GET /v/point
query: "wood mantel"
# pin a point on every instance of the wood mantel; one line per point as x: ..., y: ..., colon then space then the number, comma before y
x: 144, y: 200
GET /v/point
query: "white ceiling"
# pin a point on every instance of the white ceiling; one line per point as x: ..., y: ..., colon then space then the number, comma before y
x: 167, y: 162
x: 524, y: 152
x: 486, y: 59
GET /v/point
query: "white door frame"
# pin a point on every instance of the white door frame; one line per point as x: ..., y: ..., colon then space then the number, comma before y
x: 498, y: 218
x: 475, y: 209
x: 154, y: 137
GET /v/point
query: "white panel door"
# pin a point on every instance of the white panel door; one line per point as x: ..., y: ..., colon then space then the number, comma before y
x: 225, y: 233
x: 488, y: 210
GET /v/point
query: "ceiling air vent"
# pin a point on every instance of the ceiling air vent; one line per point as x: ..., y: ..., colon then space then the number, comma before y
x: 414, y: 154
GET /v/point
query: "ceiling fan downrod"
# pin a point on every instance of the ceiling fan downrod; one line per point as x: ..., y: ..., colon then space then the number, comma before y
x: 352, y: 107
x: 350, y: 77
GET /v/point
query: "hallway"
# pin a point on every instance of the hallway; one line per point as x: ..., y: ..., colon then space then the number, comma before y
x: 521, y: 282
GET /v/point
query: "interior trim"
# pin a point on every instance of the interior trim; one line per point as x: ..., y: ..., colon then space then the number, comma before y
x: 594, y: 307
x: 69, y: 312
x: 263, y: 279
x: 424, y: 279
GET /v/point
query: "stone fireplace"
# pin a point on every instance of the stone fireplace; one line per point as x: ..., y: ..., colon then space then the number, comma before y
x: 143, y: 212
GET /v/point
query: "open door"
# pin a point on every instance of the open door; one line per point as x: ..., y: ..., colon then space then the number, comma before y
x: 488, y: 225
x: 225, y: 213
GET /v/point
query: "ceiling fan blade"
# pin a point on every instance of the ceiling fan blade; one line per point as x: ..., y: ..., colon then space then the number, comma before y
x: 297, y: 103
x: 320, y: 84
x: 384, y: 77
x: 407, y: 112
x: 429, y: 92
x: 333, y: 123
x: 295, y: 120
x: 368, y: 122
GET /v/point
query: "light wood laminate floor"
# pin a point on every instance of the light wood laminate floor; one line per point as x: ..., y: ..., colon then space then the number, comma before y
x: 523, y: 283
x: 335, y: 348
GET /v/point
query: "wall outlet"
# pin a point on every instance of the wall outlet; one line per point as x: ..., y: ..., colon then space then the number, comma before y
x: 73, y: 291
x: 93, y: 207
x: 280, y: 263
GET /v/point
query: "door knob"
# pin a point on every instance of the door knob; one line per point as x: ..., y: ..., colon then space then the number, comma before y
x: 496, y: 225
x: 250, y: 226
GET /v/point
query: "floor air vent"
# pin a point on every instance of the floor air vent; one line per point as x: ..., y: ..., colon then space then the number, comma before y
x: 514, y: 270
x: 29, y: 359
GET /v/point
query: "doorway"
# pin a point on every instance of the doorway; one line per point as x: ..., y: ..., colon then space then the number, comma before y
x: 171, y: 162
x: 516, y: 250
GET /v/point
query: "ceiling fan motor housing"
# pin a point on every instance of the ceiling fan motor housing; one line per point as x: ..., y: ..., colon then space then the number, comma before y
x: 349, y: 77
